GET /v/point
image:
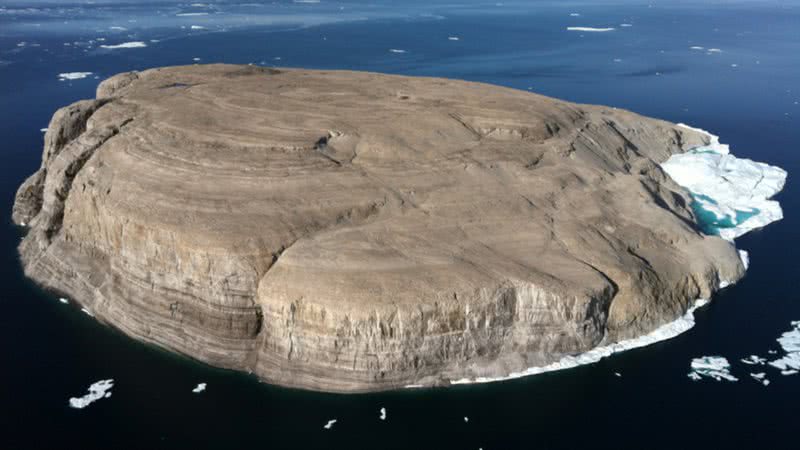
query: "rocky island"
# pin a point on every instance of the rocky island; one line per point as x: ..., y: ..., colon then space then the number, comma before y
x: 349, y: 231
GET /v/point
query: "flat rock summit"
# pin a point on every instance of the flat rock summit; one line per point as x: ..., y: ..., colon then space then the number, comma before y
x: 350, y: 231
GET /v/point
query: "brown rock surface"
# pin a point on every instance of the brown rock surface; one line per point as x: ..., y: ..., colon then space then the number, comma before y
x: 349, y: 231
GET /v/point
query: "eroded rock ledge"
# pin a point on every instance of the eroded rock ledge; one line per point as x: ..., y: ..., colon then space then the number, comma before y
x: 347, y: 231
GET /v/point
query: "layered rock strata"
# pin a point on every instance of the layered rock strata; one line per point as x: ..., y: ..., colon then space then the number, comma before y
x: 348, y: 231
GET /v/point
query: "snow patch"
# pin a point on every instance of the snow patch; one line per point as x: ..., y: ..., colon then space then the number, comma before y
x: 98, y: 390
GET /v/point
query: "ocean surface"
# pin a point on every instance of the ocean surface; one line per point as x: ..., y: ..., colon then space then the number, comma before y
x: 743, y: 85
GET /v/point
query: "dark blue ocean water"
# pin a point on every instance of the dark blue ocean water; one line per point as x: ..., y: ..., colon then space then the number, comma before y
x: 747, y: 93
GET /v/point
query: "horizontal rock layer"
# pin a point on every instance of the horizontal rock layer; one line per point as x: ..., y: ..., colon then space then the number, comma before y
x: 347, y: 231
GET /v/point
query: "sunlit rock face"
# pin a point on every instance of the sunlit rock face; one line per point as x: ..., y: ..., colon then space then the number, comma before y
x: 350, y: 231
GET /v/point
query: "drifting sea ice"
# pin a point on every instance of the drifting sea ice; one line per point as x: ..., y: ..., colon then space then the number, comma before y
x: 731, y: 195
x: 199, y: 388
x: 590, y: 29
x: 329, y: 425
x: 790, y: 342
x: 98, y: 390
x: 754, y: 360
x: 383, y: 414
x: 135, y: 44
x: 760, y: 377
x: 715, y: 367
x: 63, y: 300
x: 73, y: 75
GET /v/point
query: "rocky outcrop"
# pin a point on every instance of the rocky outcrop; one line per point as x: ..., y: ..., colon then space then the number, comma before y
x: 348, y: 231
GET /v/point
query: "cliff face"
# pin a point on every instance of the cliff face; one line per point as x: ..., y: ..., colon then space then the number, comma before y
x: 349, y: 231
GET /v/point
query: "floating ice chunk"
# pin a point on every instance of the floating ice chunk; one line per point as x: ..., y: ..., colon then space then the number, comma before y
x: 715, y: 367
x: 789, y: 364
x: 198, y: 27
x: 63, y: 300
x: 714, y: 50
x: 195, y: 59
x: 453, y: 38
x: 383, y: 413
x: 98, y: 390
x: 466, y: 419
x: 695, y: 376
x: 192, y: 14
x: 760, y: 377
x: 730, y: 195
x: 617, y: 374
x: 696, y: 47
x: 73, y: 75
x: 329, y: 425
x: 662, y: 333
x: 118, y: 28
x: 754, y: 360
x: 43, y: 130
x: 396, y: 50
x: 626, y: 25
x: 135, y: 44
x: 590, y: 29
x: 574, y: 14
x: 199, y: 388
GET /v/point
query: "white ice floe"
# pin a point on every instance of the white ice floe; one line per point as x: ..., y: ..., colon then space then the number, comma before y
x: 396, y: 50
x: 466, y: 419
x: 63, y: 300
x: 198, y: 27
x: 760, y: 377
x: 789, y: 364
x: 714, y: 50
x: 626, y: 25
x: 715, y: 367
x: 199, y: 388
x: 617, y: 374
x: 195, y: 59
x: 118, y: 28
x: 73, y: 75
x: 754, y: 360
x: 134, y: 44
x: 574, y: 14
x: 696, y: 47
x: 453, y: 38
x: 664, y: 332
x: 98, y: 390
x: 590, y: 29
x: 383, y: 413
x: 43, y: 130
x: 191, y: 14
x: 731, y: 195
x: 329, y: 425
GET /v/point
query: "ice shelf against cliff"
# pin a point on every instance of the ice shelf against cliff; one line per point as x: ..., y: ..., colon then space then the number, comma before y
x: 98, y: 390
x: 664, y: 332
x: 731, y: 195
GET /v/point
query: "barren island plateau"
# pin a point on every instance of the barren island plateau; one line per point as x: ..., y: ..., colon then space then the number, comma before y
x: 351, y: 231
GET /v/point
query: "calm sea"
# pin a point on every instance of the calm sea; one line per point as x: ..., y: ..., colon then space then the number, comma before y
x: 747, y: 92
